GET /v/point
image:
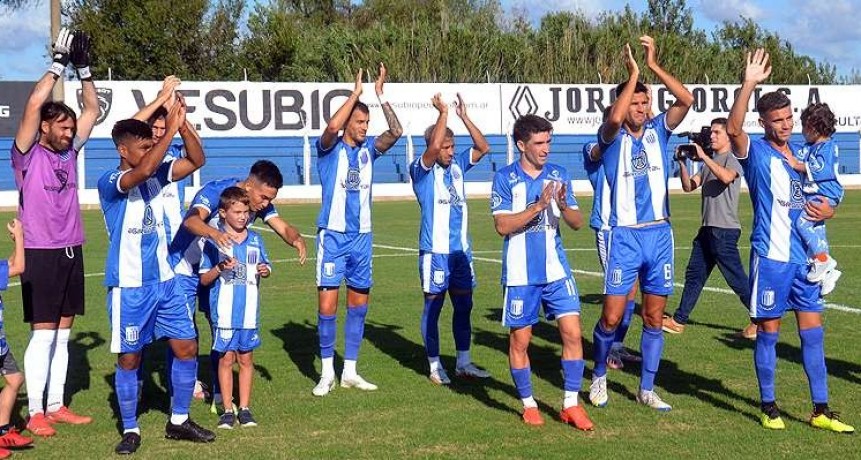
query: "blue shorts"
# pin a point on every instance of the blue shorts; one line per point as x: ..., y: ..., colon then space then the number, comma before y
x: 520, y: 304
x: 240, y: 340
x: 779, y: 286
x: 344, y: 257
x: 440, y: 272
x: 140, y: 315
x: 601, y: 238
x: 645, y: 252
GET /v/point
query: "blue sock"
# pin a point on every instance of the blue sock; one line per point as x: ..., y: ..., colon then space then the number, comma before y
x: 126, y: 386
x: 602, y: 341
x: 354, y: 331
x: 622, y: 330
x: 813, y: 357
x: 168, y: 366
x: 572, y: 374
x: 461, y: 324
x: 522, y: 381
x: 214, y: 357
x: 430, y: 324
x: 765, y: 362
x: 140, y: 370
x: 651, y: 347
x: 183, y: 375
x: 326, y: 330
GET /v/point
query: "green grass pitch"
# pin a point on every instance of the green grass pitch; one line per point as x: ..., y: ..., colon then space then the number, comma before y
x: 706, y: 374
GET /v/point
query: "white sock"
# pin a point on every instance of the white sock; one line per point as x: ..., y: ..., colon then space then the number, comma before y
x: 328, y: 367
x: 434, y: 364
x: 569, y: 400
x: 529, y: 402
x: 349, y: 369
x: 463, y: 358
x: 133, y: 430
x: 59, y: 368
x: 37, y: 362
x: 178, y: 419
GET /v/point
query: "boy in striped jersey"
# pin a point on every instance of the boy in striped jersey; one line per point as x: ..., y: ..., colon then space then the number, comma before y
x: 445, y: 251
x: 143, y: 300
x: 234, y: 301
x: 637, y: 165
x: 529, y: 200
x: 346, y: 168
x: 778, y: 258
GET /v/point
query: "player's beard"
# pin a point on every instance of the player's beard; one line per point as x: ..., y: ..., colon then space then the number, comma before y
x: 58, y: 143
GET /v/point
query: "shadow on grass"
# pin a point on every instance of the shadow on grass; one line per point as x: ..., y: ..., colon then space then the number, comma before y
x: 79, y: 362
x: 411, y: 355
x: 300, y: 342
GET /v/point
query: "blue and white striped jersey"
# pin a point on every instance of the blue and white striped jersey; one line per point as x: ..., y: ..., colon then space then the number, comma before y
x: 174, y: 195
x: 346, y: 174
x: 234, y: 300
x: 185, y: 249
x: 778, y: 201
x: 637, y: 172
x: 599, y: 219
x: 441, y: 197
x: 822, y: 175
x: 137, y: 249
x: 533, y: 255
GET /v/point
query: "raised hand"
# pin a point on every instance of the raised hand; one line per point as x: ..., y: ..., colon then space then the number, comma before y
x: 561, y: 195
x: 378, y: 85
x: 460, y: 108
x: 546, y: 195
x: 60, y: 52
x: 630, y: 62
x: 438, y: 103
x: 648, y: 44
x: 758, y: 68
x: 80, y: 50
x: 168, y: 90
x: 176, y: 117
x: 357, y: 90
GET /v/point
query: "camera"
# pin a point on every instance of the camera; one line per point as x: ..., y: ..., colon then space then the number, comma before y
x: 703, y: 138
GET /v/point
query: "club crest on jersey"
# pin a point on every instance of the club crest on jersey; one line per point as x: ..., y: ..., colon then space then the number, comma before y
x: 797, y: 194
x: 455, y: 173
x: 815, y: 162
x: 252, y: 256
x: 454, y: 198
x: 238, y: 274
x: 616, y: 277
x: 132, y: 335
x: 650, y: 137
x: 555, y: 174
x: 354, y: 179
x: 767, y: 299
x: 329, y: 269
x: 495, y: 200
x: 364, y: 157
x: 515, y: 308
x: 640, y: 162
x: 438, y: 277
x: 512, y: 178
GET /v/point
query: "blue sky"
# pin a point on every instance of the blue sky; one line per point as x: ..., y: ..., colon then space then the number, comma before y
x: 824, y: 29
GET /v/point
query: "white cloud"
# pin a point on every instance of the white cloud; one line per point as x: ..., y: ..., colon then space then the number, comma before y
x: 23, y: 28
x: 825, y: 30
x: 728, y: 10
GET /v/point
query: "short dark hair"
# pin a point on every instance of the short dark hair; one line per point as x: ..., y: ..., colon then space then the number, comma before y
x: 265, y: 172
x: 774, y: 100
x: 232, y: 195
x: 819, y: 118
x: 527, y: 125
x: 361, y: 107
x: 429, y: 133
x: 719, y: 121
x: 56, y: 111
x: 160, y: 112
x: 640, y: 87
x: 130, y: 128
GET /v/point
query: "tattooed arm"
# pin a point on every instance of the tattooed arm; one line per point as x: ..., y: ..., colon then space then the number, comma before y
x: 386, y: 140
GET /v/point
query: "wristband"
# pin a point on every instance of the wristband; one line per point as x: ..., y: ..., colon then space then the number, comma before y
x: 84, y: 73
x: 57, y: 68
x: 382, y: 98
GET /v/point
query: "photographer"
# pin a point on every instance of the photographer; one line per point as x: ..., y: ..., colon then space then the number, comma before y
x: 716, y: 242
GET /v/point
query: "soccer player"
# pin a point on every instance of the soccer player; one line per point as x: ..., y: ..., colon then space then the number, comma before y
x: 817, y: 161
x: 201, y: 223
x: 529, y: 198
x: 143, y: 299
x: 44, y: 157
x: 599, y: 222
x: 445, y: 250
x: 778, y: 261
x: 234, y: 301
x: 632, y: 149
x: 716, y: 243
x: 14, y: 266
x: 345, y: 165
